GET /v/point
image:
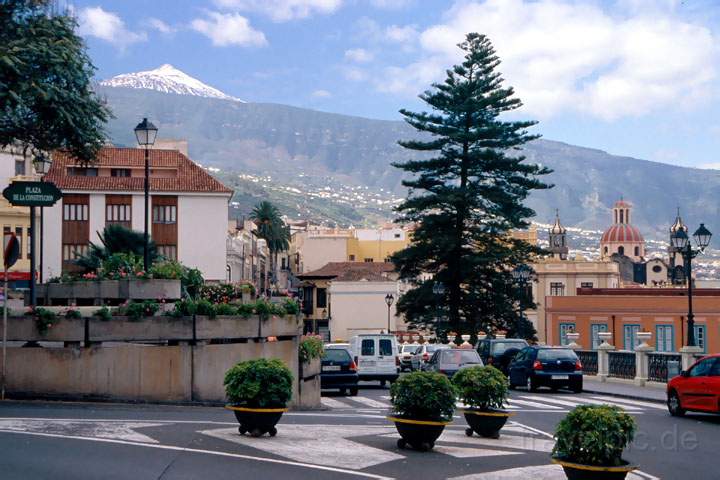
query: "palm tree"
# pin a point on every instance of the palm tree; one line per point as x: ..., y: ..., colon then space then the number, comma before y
x: 273, y: 230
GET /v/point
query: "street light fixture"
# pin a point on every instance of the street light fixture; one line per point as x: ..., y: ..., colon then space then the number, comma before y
x: 680, y: 241
x: 521, y: 274
x: 389, y: 299
x: 145, y: 133
x: 41, y: 164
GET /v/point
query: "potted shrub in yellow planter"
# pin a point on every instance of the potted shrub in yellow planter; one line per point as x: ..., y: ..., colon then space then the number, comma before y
x: 590, y: 440
x: 484, y: 390
x: 258, y: 392
x: 423, y: 403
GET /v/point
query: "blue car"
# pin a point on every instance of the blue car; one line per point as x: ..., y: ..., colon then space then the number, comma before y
x: 553, y: 367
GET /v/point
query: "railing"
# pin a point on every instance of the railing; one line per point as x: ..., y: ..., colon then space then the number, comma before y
x: 622, y: 364
x: 589, y: 360
x: 663, y: 366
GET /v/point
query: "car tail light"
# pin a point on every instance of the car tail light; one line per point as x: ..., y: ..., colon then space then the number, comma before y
x: 578, y: 365
x: 353, y: 366
x: 537, y: 365
x: 426, y: 357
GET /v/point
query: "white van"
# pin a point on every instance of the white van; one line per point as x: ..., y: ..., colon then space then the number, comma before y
x: 376, y: 356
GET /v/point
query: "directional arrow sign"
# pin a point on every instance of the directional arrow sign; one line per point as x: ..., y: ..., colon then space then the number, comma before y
x: 32, y: 194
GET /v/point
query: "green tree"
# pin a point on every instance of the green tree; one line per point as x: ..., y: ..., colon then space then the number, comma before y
x: 465, y: 196
x: 46, y: 100
x: 273, y: 230
x: 115, y: 239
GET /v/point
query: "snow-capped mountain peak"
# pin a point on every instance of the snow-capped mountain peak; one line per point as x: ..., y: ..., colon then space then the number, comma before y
x: 167, y: 79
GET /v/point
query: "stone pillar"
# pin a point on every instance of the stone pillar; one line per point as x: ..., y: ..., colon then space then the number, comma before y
x: 603, y: 360
x: 642, y: 364
x: 687, y: 354
x: 573, y: 337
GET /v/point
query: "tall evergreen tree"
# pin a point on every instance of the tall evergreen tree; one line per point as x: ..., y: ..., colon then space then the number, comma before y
x: 46, y: 99
x: 464, y: 200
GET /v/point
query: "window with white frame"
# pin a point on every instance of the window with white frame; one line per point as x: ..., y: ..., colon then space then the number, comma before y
x: 566, y: 328
x: 700, y: 337
x: 557, y: 289
x: 664, y: 336
x: 117, y: 213
x: 164, y: 214
x: 595, y: 329
x: 168, y: 251
x: 72, y: 251
x: 75, y: 212
x: 630, y: 340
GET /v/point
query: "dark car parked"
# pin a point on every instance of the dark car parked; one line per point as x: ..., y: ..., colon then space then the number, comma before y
x: 498, y: 352
x: 449, y: 360
x: 553, y: 367
x: 339, y: 371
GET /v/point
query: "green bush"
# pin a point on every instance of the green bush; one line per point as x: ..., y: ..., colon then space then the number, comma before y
x: 205, y: 307
x: 73, y: 314
x: 103, y: 314
x: 121, y: 265
x: 291, y: 307
x: 225, y: 309
x: 423, y: 396
x: 191, y: 282
x: 594, y: 435
x: 246, y: 309
x: 44, y: 319
x: 262, y: 309
x: 137, y: 310
x: 260, y: 383
x: 184, y: 308
x: 277, y: 309
x: 311, y: 346
x: 481, y: 387
x: 168, y: 270
x: 220, y: 293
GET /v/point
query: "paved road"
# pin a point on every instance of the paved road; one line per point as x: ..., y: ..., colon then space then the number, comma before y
x: 349, y: 440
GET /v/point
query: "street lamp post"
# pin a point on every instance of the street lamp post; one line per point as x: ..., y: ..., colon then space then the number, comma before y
x: 521, y: 275
x: 681, y: 243
x: 438, y: 290
x: 145, y: 132
x: 41, y: 164
x: 389, y: 299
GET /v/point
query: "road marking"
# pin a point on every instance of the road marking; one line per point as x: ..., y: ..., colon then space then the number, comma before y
x: 605, y: 402
x: 533, y: 404
x: 321, y: 444
x: 120, y: 431
x: 540, y: 472
x: 523, y: 442
x: 629, y: 401
x: 207, y: 452
x: 332, y: 403
x: 369, y: 402
x: 461, y: 452
x: 577, y: 401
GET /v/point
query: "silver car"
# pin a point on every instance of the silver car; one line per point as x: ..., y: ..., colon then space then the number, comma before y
x: 424, y: 353
x: 450, y: 360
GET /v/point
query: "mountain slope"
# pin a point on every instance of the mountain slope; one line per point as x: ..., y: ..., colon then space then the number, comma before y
x: 167, y: 79
x: 306, y: 147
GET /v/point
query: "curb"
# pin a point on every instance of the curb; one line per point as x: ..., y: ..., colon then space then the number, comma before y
x: 623, y: 395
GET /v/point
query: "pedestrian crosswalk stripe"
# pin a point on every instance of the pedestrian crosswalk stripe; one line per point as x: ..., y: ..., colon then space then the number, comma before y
x: 575, y: 402
x: 637, y: 403
x: 369, y: 402
x: 332, y: 403
x: 532, y: 404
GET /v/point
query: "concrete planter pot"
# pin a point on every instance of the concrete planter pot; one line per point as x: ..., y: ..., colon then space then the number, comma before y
x: 151, y: 289
x: 486, y: 423
x: 605, y: 337
x: 419, y: 434
x: 577, y: 471
x: 311, y: 368
x: 257, y: 421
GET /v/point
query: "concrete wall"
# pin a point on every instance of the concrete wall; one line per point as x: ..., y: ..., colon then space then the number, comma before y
x: 202, y: 227
x: 52, y: 241
x: 132, y: 372
x: 359, y: 307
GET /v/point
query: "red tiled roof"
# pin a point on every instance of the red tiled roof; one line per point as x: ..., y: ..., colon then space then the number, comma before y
x: 353, y: 271
x: 190, y: 177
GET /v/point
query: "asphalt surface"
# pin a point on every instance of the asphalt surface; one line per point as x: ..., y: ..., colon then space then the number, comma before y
x: 350, y: 439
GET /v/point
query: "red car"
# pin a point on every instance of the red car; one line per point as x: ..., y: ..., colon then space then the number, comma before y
x: 697, y: 388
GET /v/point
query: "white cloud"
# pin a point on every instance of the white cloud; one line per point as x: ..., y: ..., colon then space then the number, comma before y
x: 283, y: 10
x: 160, y: 26
x: 359, y: 55
x: 396, y: 33
x: 321, y: 94
x: 108, y: 26
x: 390, y: 4
x: 562, y: 55
x: 226, y: 29
x: 354, y: 74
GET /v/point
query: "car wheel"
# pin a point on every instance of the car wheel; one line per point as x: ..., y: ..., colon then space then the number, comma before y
x: 674, y: 406
x: 343, y: 392
x: 531, y: 385
x: 383, y: 383
x: 354, y: 392
x: 577, y: 388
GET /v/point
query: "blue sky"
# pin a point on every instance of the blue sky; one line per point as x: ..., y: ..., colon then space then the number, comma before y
x: 632, y: 77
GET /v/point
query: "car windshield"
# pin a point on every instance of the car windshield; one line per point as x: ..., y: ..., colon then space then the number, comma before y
x: 500, y: 347
x: 433, y: 347
x: 459, y: 357
x: 336, y: 355
x: 410, y: 348
x: 556, y: 354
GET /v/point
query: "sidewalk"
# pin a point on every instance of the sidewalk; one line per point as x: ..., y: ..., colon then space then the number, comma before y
x: 626, y: 389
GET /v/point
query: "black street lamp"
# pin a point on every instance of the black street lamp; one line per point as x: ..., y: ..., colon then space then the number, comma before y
x: 145, y: 132
x: 41, y: 165
x: 680, y: 242
x: 389, y: 299
x: 521, y: 275
x: 438, y: 290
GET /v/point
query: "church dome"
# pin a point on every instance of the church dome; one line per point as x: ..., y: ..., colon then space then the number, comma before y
x: 557, y: 228
x: 622, y: 233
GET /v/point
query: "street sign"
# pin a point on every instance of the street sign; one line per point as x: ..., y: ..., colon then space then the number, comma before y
x: 32, y: 194
x: 11, y: 252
